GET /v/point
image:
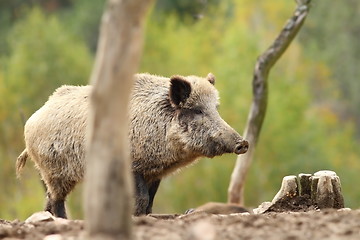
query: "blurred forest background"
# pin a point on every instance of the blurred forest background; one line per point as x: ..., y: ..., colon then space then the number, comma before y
x: 313, y: 117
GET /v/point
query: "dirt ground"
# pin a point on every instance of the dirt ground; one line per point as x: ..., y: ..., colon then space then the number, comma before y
x: 313, y: 224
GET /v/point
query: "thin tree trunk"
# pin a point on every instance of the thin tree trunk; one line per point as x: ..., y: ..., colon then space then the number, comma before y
x: 260, y: 96
x: 108, y: 180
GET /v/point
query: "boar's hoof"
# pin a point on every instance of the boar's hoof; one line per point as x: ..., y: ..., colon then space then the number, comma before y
x: 241, y: 147
x: 191, y: 210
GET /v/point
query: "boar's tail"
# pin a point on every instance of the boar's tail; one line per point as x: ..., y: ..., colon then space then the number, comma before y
x: 20, y: 162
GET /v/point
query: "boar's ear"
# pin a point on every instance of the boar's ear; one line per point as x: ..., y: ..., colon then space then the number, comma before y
x: 211, y: 78
x: 180, y: 90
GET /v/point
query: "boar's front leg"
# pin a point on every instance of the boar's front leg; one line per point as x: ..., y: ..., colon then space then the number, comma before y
x: 49, y: 203
x: 152, y: 191
x: 145, y: 193
x: 141, y: 195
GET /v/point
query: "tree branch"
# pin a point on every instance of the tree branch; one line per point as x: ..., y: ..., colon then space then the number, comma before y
x: 260, y: 95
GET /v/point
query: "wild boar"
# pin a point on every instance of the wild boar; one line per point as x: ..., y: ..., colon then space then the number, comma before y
x: 173, y: 122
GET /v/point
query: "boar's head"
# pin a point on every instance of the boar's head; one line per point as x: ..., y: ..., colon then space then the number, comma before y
x: 197, y: 128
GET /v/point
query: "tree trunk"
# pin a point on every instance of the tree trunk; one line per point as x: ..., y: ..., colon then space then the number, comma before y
x: 260, y: 96
x: 108, y: 180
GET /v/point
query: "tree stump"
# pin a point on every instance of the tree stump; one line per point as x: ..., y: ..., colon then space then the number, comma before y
x: 318, y: 191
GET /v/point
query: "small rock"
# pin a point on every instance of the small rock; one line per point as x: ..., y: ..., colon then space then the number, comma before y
x: 344, y: 209
x: 263, y: 207
x: 53, y: 237
x: 43, y: 216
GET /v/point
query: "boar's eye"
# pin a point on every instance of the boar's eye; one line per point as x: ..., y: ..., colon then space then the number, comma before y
x: 198, y: 111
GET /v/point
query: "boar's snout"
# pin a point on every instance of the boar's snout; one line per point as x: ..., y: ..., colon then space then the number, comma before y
x: 241, y: 147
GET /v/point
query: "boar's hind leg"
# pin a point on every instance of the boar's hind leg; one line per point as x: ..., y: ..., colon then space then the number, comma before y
x: 141, y: 195
x: 55, y: 207
x: 152, y: 191
x: 58, y: 189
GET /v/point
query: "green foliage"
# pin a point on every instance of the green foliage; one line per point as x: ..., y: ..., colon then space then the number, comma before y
x: 332, y: 36
x: 51, y: 50
x: 304, y: 131
x: 185, y: 9
x: 83, y: 20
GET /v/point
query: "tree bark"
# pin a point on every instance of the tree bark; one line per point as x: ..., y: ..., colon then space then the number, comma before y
x: 108, y: 180
x: 260, y: 95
